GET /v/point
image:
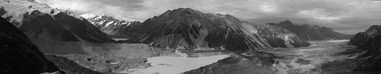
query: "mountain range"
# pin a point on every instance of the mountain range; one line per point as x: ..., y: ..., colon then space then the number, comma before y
x: 36, y: 29
x: 110, y: 25
x: 311, y: 32
x: 200, y: 30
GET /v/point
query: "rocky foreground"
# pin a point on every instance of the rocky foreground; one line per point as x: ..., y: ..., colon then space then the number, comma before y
x: 19, y: 55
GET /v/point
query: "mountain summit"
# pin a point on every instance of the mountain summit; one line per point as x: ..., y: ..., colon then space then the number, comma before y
x: 109, y: 25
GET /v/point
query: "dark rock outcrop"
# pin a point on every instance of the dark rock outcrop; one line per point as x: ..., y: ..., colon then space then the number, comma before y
x: 19, y: 55
x: 363, y: 37
x: 359, y: 39
x: 372, y: 51
x: 52, y: 30
x: 311, y: 32
x: 370, y: 43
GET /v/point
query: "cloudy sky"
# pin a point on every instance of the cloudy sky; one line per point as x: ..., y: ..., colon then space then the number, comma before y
x: 345, y: 16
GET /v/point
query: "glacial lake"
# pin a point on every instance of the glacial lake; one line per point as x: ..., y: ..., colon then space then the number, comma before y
x: 176, y: 65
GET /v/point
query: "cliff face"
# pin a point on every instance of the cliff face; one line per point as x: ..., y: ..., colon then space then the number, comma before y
x: 19, y: 55
x: 311, y: 32
x: 52, y: 30
x: 370, y: 43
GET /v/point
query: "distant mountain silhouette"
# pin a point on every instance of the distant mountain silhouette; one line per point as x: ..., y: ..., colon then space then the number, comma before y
x: 110, y: 25
x: 311, y: 32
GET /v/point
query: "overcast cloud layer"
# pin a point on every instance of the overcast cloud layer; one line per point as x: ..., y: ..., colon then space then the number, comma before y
x: 345, y: 16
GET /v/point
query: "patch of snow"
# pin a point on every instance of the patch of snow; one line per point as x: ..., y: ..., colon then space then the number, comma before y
x: 178, y: 52
x: 87, y: 16
x: 109, y: 23
x: 98, y: 17
x: 17, y: 8
x: 102, y: 22
x: 127, y: 23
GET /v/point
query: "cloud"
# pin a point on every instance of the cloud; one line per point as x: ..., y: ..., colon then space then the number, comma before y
x: 319, y: 14
x: 346, y: 16
x: 118, y: 8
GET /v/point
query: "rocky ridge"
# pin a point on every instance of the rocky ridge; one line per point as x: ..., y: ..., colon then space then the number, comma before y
x: 52, y: 30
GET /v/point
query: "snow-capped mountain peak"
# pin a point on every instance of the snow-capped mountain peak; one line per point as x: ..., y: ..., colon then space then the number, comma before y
x: 108, y: 24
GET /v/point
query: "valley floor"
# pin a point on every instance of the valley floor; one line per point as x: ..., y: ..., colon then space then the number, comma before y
x: 323, y: 57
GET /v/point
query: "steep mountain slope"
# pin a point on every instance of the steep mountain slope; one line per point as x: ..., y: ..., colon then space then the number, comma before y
x: 362, y: 37
x: 194, y: 29
x: 19, y: 55
x: 372, y: 52
x: 52, y: 30
x: 311, y: 32
x: 371, y: 45
x: 190, y: 29
x: 108, y: 24
x: 279, y: 37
